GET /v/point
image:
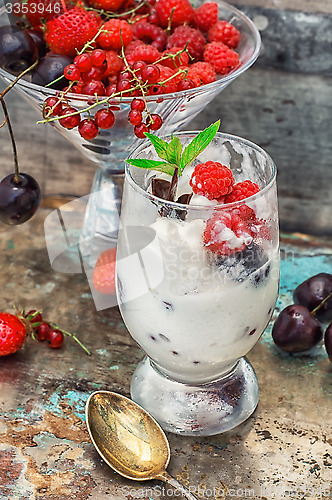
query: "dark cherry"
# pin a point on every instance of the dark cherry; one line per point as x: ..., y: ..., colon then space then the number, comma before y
x: 38, y: 38
x: 296, y: 329
x: 312, y: 291
x: 18, y: 201
x: 328, y: 341
x: 50, y: 68
x: 17, y: 50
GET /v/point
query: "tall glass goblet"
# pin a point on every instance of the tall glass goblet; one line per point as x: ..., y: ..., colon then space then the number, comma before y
x: 197, y: 309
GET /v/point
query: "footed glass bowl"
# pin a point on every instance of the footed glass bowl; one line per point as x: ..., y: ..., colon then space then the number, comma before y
x: 110, y: 148
x: 196, y: 312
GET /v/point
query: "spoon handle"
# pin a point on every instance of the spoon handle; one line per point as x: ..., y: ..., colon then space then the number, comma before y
x: 176, y: 485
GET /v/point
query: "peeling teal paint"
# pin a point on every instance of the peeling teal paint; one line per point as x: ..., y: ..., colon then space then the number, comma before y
x: 10, y: 244
x: 114, y: 367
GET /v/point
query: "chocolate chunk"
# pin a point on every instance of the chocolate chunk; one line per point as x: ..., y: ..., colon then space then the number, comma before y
x: 160, y: 188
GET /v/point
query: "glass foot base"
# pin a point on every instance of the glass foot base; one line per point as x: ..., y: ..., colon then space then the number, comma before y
x: 196, y: 410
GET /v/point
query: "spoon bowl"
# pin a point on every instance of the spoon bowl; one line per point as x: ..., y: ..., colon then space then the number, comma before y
x: 129, y: 440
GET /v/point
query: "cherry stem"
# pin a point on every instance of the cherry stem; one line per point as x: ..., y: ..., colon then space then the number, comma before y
x: 11, y: 133
x: 7, y: 120
x: 313, y: 312
x: 14, y: 82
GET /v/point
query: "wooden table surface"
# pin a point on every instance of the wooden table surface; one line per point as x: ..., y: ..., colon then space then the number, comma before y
x: 282, y: 451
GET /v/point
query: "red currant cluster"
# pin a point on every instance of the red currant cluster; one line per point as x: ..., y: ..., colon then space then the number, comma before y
x: 43, y: 330
x: 85, y: 76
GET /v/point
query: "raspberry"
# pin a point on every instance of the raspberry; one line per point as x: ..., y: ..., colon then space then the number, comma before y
x: 226, y: 233
x: 206, y: 15
x: 221, y: 57
x: 203, y: 72
x: 192, y: 39
x: 224, y: 32
x: 177, y: 12
x: 242, y: 190
x: 172, y: 61
x: 113, y: 63
x: 139, y: 51
x: 212, y: 179
x: 116, y: 30
x: 150, y: 34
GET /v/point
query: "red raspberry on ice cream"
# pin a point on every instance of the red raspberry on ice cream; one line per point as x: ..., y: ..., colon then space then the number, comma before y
x: 212, y: 180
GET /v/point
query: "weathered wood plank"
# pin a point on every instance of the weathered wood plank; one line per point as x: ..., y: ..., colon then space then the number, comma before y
x: 316, y: 6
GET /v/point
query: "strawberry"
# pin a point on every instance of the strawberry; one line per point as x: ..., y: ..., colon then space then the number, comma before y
x: 39, y: 10
x: 13, y: 332
x: 103, y: 278
x: 68, y: 33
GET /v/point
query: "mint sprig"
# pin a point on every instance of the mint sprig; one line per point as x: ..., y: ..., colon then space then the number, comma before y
x: 172, y: 152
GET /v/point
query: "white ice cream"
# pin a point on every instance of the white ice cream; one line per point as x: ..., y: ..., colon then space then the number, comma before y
x: 199, y: 316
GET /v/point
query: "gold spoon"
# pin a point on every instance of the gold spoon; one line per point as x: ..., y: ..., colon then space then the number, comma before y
x: 129, y: 440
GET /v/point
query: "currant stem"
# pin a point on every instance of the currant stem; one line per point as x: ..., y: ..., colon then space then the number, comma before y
x: 73, y: 336
x: 313, y: 312
x: 11, y: 133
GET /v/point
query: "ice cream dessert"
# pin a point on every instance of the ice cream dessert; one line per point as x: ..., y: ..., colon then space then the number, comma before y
x: 197, y: 283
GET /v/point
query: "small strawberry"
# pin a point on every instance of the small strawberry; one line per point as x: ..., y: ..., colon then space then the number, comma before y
x: 103, y: 278
x: 68, y: 33
x: 13, y: 332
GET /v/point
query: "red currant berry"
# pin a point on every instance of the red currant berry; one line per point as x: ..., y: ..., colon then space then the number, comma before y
x: 104, y: 118
x: 138, y: 66
x: 83, y: 62
x: 156, y: 122
x: 125, y: 75
x: 98, y: 57
x: 155, y: 90
x: 150, y: 73
x: 186, y: 84
x: 95, y: 73
x: 140, y: 130
x: 36, y: 318
x: 138, y: 104
x: 52, y: 106
x: 94, y: 87
x: 55, y: 338
x: 42, y: 331
x: 69, y: 122
x: 71, y: 72
x: 123, y: 85
x: 110, y: 90
x: 88, y: 129
x: 135, y: 117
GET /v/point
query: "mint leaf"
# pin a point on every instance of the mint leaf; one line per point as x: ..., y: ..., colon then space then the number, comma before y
x: 174, y: 151
x: 159, y: 145
x: 198, y: 144
x: 160, y: 166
